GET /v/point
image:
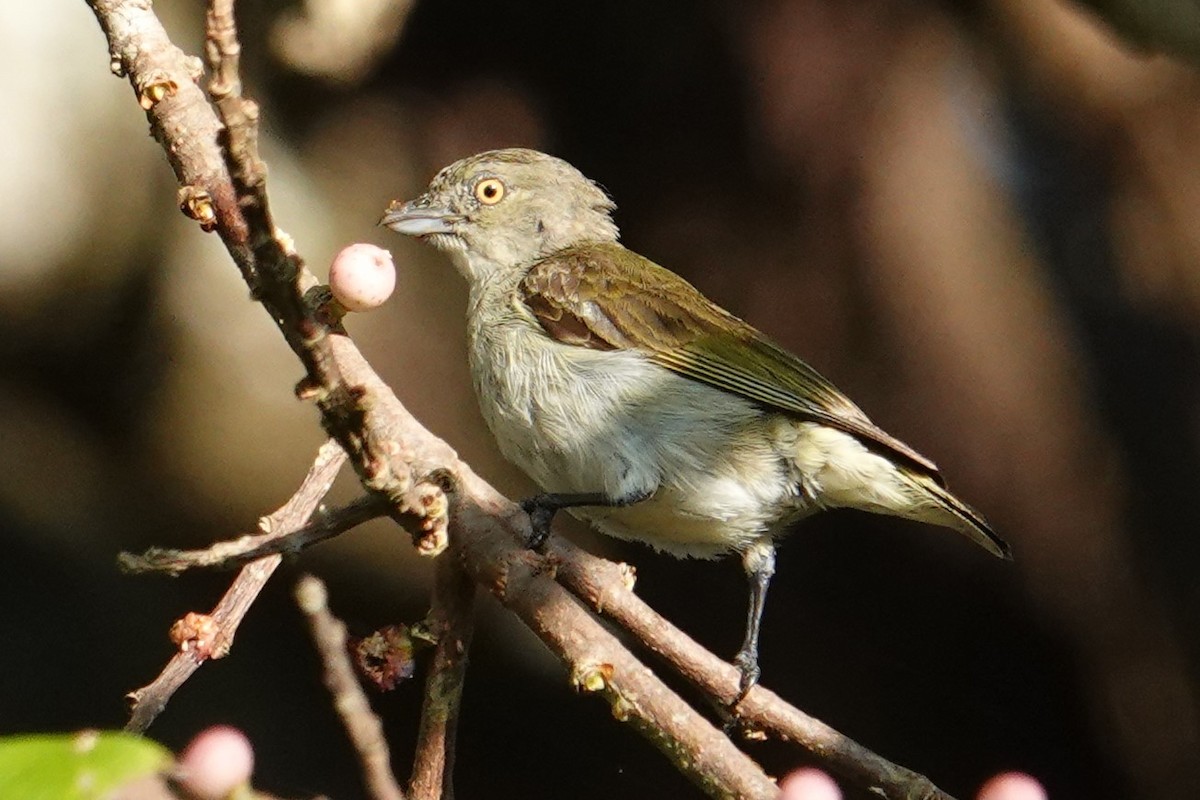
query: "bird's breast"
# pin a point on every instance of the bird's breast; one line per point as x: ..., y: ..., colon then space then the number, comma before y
x: 558, y: 411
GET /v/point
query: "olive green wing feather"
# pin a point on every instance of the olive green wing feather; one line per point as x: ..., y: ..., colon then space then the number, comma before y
x: 606, y: 297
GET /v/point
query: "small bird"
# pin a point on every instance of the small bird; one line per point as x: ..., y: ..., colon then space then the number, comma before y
x: 636, y: 402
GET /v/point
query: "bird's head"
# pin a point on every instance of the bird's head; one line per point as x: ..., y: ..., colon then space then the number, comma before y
x: 502, y: 210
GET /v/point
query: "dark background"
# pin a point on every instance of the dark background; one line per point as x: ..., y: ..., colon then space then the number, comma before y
x: 979, y: 220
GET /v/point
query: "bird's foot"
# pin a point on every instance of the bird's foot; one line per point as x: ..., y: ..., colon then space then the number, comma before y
x: 542, y: 507
x: 747, y: 663
x: 541, y: 511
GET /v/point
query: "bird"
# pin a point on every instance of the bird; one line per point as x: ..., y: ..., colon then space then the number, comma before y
x: 639, y: 405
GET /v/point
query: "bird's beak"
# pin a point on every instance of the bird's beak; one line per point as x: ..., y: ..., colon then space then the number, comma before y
x: 419, y: 218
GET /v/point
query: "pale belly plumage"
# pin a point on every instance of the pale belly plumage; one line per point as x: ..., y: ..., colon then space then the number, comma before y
x: 578, y: 420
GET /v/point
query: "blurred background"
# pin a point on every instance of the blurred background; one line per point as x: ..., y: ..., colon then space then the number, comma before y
x: 981, y: 220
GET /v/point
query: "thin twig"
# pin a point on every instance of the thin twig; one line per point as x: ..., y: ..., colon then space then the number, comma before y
x: 451, y: 617
x: 233, y: 552
x: 272, y: 249
x: 362, y: 726
x: 149, y: 701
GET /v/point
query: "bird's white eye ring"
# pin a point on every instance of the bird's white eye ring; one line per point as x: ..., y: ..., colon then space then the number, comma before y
x: 489, y: 191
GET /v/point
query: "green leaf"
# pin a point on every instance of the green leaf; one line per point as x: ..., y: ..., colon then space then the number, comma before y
x: 82, y: 766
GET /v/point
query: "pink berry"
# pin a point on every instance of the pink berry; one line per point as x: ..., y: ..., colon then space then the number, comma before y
x: 362, y: 277
x: 807, y: 783
x: 1012, y: 786
x: 216, y: 762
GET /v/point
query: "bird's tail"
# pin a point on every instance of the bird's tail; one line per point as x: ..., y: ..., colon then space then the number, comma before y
x: 951, y: 512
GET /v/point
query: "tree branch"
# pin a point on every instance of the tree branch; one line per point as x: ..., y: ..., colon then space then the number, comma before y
x: 452, y: 621
x: 363, y: 727
x: 222, y: 624
x: 231, y: 553
x: 397, y: 460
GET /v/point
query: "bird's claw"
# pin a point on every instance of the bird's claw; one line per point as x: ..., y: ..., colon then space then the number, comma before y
x: 540, y: 517
x: 747, y: 664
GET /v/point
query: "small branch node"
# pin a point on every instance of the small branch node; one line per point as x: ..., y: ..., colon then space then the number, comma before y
x: 592, y: 677
x: 387, y: 657
x: 154, y: 87
x: 196, y: 203
x: 200, y: 635
x: 309, y: 390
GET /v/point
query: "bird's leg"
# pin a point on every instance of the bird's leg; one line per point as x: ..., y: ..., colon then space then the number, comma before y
x: 759, y: 562
x: 541, y: 509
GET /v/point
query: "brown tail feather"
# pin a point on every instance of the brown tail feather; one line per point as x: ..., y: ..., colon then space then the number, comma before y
x: 970, y: 522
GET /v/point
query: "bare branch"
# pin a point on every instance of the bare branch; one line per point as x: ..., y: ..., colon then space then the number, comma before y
x: 395, y: 457
x: 608, y: 588
x: 451, y: 620
x: 362, y: 726
x: 149, y: 701
x: 231, y: 553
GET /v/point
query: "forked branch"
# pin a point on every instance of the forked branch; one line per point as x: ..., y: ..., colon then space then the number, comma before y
x: 414, y: 475
x: 221, y: 624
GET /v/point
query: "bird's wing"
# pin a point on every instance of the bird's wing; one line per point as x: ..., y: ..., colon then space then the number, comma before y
x: 606, y: 297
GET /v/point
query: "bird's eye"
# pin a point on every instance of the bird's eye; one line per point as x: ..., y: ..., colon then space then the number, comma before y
x: 489, y: 191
